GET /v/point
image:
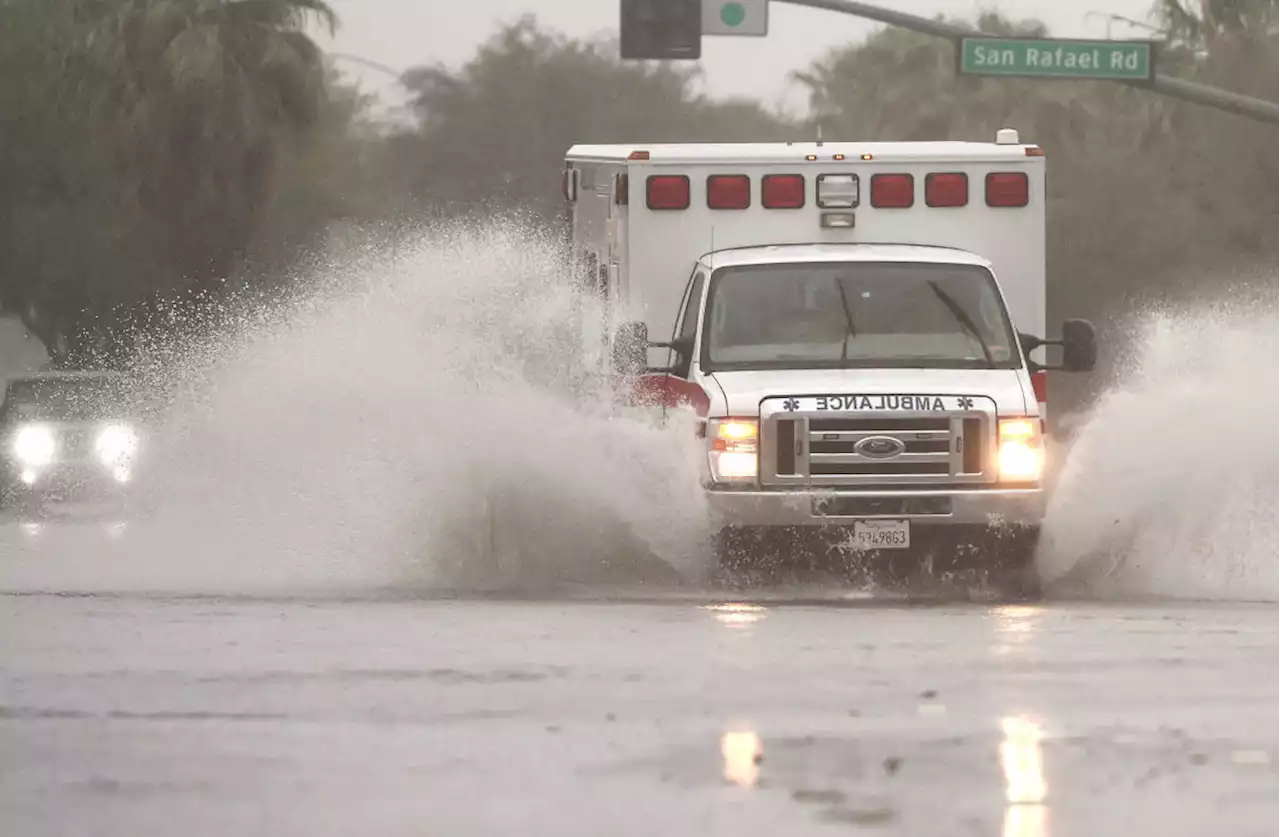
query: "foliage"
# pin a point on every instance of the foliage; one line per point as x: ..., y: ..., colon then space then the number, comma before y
x: 153, y: 151
x: 1144, y: 190
x: 492, y: 135
x: 1210, y: 23
x: 146, y: 140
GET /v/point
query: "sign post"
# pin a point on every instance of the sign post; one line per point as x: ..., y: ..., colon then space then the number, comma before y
x: 1057, y: 58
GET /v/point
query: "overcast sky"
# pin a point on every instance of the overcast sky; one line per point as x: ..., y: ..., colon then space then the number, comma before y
x: 402, y: 33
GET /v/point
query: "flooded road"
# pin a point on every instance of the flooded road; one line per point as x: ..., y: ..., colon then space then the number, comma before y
x: 149, y: 714
x: 275, y: 654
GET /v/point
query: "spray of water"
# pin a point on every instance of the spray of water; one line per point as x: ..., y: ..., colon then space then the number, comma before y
x: 1170, y: 489
x: 433, y: 419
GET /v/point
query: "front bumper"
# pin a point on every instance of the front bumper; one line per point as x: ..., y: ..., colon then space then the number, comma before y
x: 934, y: 507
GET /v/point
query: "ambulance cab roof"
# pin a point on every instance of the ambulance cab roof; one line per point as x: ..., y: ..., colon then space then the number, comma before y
x: 796, y: 152
x: 792, y: 253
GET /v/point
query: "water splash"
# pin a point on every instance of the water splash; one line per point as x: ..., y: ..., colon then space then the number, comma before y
x: 432, y: 419
x: 1170, y: 489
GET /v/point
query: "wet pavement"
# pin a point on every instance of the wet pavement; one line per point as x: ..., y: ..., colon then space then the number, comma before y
x: 152, y: 714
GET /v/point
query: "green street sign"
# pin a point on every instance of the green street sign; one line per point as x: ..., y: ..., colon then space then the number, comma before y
x: 1058, y: 58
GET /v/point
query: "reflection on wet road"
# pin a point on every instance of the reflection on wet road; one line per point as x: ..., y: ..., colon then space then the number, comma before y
x: 149, y: 715
x: 1026, y: 814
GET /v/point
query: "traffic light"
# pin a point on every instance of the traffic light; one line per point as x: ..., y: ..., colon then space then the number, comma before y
x: 666, y: 30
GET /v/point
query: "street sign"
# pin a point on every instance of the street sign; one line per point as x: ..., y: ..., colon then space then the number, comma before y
x: 735, y: 17
x: 1058, y: 58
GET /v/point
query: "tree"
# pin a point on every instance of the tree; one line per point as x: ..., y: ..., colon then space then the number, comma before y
x: 493, y: 134
x: 890, y: 86
x: 61, y: 220
x: 343, y: 170
x: 1138, y: 197
x: 1208, y: 23
x: 139, y: 146
x: 205, y: 92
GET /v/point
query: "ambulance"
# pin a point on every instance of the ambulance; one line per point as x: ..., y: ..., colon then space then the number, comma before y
x: 853, y: 321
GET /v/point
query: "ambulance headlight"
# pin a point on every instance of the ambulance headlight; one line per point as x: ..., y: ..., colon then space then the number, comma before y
x: 1020, y: 456
x: 734, y: 451
x: 116, y: 443
x: 35, y: 445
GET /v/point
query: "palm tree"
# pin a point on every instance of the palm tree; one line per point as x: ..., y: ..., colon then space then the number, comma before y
x: 204, y: 93
x: 1199, y: 23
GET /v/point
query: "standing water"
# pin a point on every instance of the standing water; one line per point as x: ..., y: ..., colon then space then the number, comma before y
x: 432, y: 420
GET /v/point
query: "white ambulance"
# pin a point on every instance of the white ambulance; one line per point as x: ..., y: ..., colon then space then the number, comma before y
x: 855, y: 321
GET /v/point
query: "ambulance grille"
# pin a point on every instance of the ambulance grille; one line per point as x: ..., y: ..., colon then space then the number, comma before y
x: 904, y: 451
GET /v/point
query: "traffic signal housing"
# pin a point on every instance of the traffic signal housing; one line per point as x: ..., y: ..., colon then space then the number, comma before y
x: 662, y: 30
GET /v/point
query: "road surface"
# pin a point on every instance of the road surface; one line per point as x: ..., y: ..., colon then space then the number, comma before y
x: 139, y: 714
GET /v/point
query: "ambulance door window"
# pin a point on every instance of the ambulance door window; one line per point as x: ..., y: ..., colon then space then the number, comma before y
x: 688, y: 327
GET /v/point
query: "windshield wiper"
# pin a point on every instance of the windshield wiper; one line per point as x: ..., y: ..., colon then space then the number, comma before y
x: 848, y: 318
x: 963, y: 318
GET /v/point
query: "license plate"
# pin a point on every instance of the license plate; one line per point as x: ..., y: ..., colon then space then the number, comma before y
x: 882, y: 534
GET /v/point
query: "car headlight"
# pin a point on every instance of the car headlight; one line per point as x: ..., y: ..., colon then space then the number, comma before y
x: 735, y: 448
x: 35, y: 445
x: 116, y: 443
x: 1021, y: 453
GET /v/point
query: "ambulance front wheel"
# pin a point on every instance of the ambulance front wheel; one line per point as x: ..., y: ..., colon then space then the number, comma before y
x: 1003, y: 561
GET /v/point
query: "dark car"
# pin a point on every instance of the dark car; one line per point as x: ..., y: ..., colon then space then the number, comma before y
x: 70, y: 436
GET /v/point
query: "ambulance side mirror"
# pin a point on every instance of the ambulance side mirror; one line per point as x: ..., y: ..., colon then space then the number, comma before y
x: 631, y: 346
x: 631, y: 350
x: 1079, y: 347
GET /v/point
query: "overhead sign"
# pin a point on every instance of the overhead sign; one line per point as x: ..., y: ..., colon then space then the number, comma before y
x: 735, y: 17
x: 1057, y: 58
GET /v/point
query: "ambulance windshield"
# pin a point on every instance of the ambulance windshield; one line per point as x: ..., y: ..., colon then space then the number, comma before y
x: 897, y: 314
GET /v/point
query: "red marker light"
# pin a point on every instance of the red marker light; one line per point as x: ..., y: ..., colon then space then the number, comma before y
x: 782, y: 191
x: 667, y: 191
x: 1008, y: 188
x: 893, y: 191
x: 728, y: 191
x: 946, y: 189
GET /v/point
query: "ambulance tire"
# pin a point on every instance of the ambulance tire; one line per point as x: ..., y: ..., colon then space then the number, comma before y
x: 1012, y: 575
